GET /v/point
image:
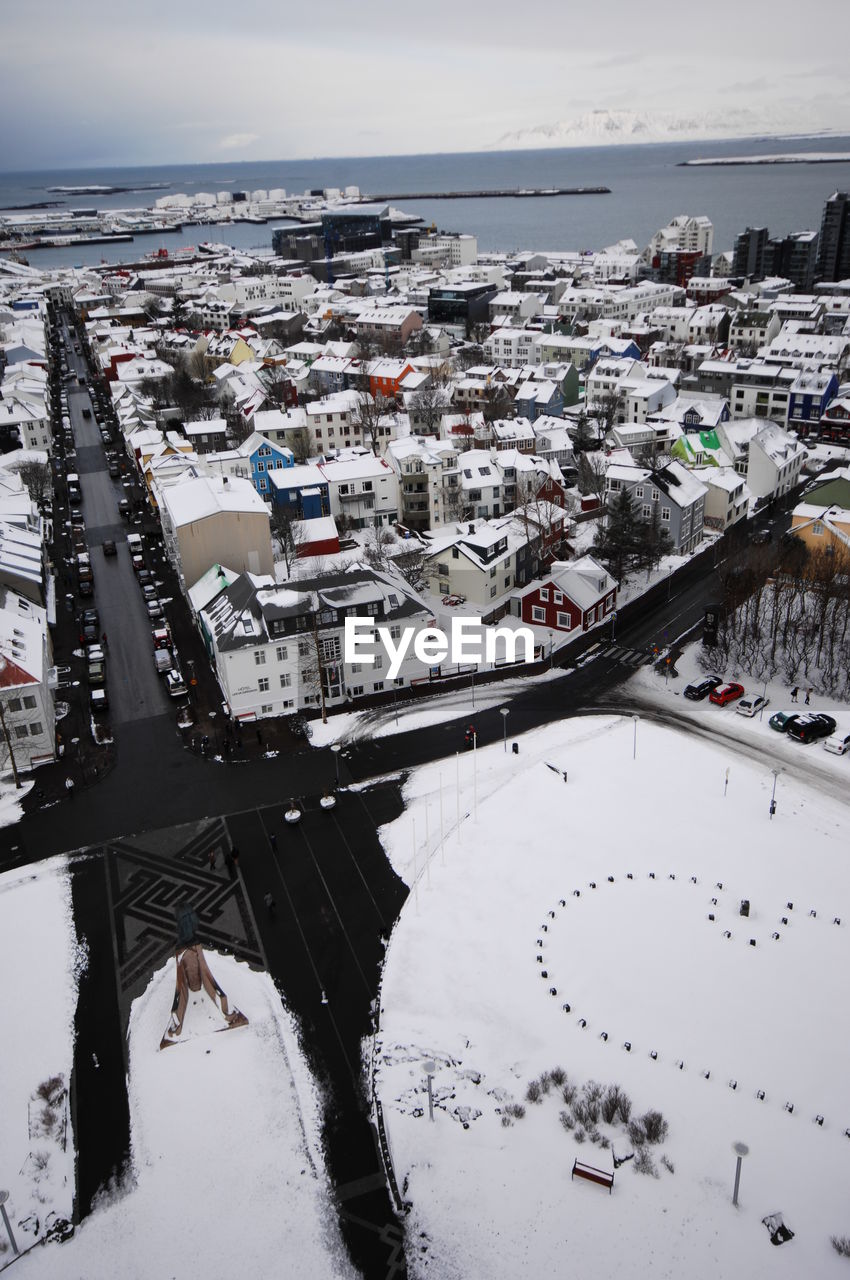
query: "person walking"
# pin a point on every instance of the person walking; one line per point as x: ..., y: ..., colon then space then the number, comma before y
x: 104, y: 641
x: 69, y: 787
x: 270, y: 903
x: 211, y: 859
x: 808, y: 696
x: 794, y: 693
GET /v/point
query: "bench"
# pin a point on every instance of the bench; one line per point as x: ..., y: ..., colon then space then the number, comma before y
x: 593, y: 1175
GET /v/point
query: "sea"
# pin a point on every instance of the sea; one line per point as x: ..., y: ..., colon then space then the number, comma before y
x: 648, y: 187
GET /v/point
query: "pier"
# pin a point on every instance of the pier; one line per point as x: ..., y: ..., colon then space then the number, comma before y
x: 509, y: 193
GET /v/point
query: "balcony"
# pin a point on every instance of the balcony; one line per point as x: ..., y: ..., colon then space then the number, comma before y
x: 366, y: 500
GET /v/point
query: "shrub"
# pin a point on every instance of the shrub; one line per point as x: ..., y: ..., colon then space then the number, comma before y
x: 568, y: 1093
x: 594, y: 1135
x: 593, y: 1091
x: 566, y: 1120
x: 644, y: 1163
x: 841, y: 1245
x: 604, y: 1143
x: 546, y: 1082
x: 636, y: 1132
x: 515, y: 1109
x: 532, y: 1093
x: 506, y: 1122
x: 624, y: 1107
x: 668, y: 1164
x: 558, y: 1076
x: 51, y: 1090
x: 613, y: 1103
x: 655, y: 1126
x: 579, y: 1134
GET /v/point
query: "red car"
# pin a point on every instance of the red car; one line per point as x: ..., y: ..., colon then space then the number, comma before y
x: 726, y: 693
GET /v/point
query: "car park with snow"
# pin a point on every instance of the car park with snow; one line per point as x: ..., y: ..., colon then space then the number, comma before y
x: 782, y: 721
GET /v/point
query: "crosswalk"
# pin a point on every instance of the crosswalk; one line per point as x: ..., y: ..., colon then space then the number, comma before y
x: 628, y: 657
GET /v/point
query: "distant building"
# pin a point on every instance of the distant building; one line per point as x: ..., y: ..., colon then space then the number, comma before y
x: 793, y: 257
x: 748, y: 260
x: 834, y: 253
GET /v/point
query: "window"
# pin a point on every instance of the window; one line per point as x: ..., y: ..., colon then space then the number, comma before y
x: 493, y: 591
x: 281, y: 653
x: 303, y: 648
x: 262, y: 485
x: 379, y: 661
x: 285, y: 680
x: 395, y: 632
x: 261, y: 466
x: 455, y: 553
x: 817, y: 530
x: 263, y: 684
x: 564, y: 621
x: 367, y: 486
x: 35, y: 728
x: 357, y: 690
x: 287, y: 702
x: 558, y: 597
x: 443, y: 569
x: 665, y: 514
x: 538, y: 614
x: 544, y: 594
x: 639, y: 491
x: 591, y: 617
x: 14, y: 704
x: 259, y: 657
x: 493, y: 574
x: 331, y: 649
x: 343, y: 488
x: 266, y: 709
x: 20, y: 730
x: 378, y: 686
x: 29, y: 702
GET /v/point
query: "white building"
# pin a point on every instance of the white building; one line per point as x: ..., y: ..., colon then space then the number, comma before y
x: 25, y: 657
x: 362, y: 489
x: 692, y: 234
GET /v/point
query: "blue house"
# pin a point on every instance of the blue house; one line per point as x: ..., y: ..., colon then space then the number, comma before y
x: 810, y: 394
x: 300, y: 490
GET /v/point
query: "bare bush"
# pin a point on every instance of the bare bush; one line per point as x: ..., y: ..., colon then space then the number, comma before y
x: 515, y: 1109
x: 613, y: 1103
x: 579, y: 1134
x: 668, y: 1164
x: 655, y: 1126
x: 636, y: 1132
x: 532, y: 1093
x: 558, y: 1076
x: 568, y: 1093
x: 841, y: 1245
x: 644, y: 1163
x: 567, y: 1120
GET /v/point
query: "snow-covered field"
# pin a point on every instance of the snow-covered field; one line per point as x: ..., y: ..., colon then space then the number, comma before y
x: 505, y: 929
x: 38, y: 991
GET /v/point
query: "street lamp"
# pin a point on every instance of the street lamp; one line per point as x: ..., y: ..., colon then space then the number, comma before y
x: 634, y: 740
x: 551, y: 648
x: 741, y: 1149
x: 504, y: 713
x: 335, y: 748
x: 775, y: 773
x: 430, y: 1067
x: 4, y: 1196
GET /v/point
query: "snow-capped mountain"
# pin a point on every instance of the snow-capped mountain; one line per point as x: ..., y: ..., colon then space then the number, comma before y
x: 598, y: 128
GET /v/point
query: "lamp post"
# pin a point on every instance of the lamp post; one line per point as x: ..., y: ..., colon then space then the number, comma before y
x: 4, y: 1196
x: 551, y: 649
x: 473, y: 688
x: 430, y: 1067
x: 613, y: 624
x: 775, y: 773
x: 763, y: 701
x: 504, y: 713
x: 335, y: 748
x: 741, y: 1149
x: 634, y: 739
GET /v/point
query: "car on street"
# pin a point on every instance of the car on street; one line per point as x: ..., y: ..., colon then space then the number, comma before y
x: 701, y: 688
x: 89, y: 633
x: 751, y: 706
x: 175, y: 684
x: 726, y: 693
x: 760, y: 537
x: 97, y: 673
x: 109, y: 548
x: 90, y: 616
x: 148, y: 591
x: 155, y: 609
x: 85, y: 589
x: 114, y: 470
x: 124, y: 507
x: 838, y: 743
x: 163, y: 661
x: 145, y: 578
x: 99, y: 700
x: 810, y: 728
x: 161, y: 637
x: 781, y: 721
x: 95, y: 653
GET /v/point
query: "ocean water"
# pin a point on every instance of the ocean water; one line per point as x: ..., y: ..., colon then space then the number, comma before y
x: 647, y: 188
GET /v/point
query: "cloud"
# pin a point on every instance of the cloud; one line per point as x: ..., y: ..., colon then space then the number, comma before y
x: 235, y: 141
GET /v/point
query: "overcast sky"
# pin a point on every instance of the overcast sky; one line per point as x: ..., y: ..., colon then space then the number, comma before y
x: 180, y: 81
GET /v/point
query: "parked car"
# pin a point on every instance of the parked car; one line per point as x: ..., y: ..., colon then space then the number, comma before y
x: 155, y: 609
x: 109, y: 548
x: 163, y: 661
x: 124, y: 507
x: 148, y: 592
x: 751, y: 706
x: 95, y: 653
x: 114, y: 470
x: 838, y: 743
x: 810, y: 728
x: 701, y: 688
x: 145, y: 578
x: 728, y: 693
x: 97, y: 673
x: 781, y: 721
x: 161, y: 638
x: 175, y: 683
x: 90, y: 615
x: 760, y: 537
x: 85, y: 588
x: 98, y: 699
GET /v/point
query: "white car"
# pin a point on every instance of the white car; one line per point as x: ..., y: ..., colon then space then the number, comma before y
x: 751, y: 706
x: 837, y: 743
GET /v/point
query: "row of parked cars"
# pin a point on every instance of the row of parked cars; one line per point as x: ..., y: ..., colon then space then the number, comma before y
x: 803, y: 727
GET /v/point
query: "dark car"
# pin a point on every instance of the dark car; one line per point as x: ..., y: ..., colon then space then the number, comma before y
x: 114, y: 470
x: 782, y: 721
x: 701, y: 688
x: 109, y: 548
x: 810, y: 728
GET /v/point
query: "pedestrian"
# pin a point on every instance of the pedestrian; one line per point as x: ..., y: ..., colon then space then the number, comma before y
x: 794, y: 693
x: 808, y: 696
x: 273, y: 842
x: 469, y: 737
x: 211, y: 859
x: 69, y: 787
x: 270, y: 903
x: 104, y: 641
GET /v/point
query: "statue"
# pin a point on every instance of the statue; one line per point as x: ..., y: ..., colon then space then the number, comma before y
x: 193, y: 972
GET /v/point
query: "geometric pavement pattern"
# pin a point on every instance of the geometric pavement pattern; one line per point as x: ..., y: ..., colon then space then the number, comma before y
x: 150, y: 877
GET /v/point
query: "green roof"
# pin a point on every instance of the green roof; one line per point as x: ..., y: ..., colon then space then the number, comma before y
x: 832, y: 493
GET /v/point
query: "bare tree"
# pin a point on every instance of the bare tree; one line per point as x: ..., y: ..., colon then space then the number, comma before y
x: 607, y: 409
x: 591, y: 474
x: 411, y: 565
x: 376, y: 546
x: 36, y: 477
x: 367, y: 418
x: 288, y: 532
x: 427, y: 407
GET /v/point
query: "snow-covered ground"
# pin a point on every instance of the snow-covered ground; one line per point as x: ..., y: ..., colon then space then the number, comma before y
x: 10, y: 799
x: 229, y: 1179
x: 379, y: 722
x: 38, y: 991
x: 506, y: 949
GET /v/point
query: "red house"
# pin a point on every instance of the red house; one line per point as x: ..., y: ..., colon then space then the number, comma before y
x: 573, y: 597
